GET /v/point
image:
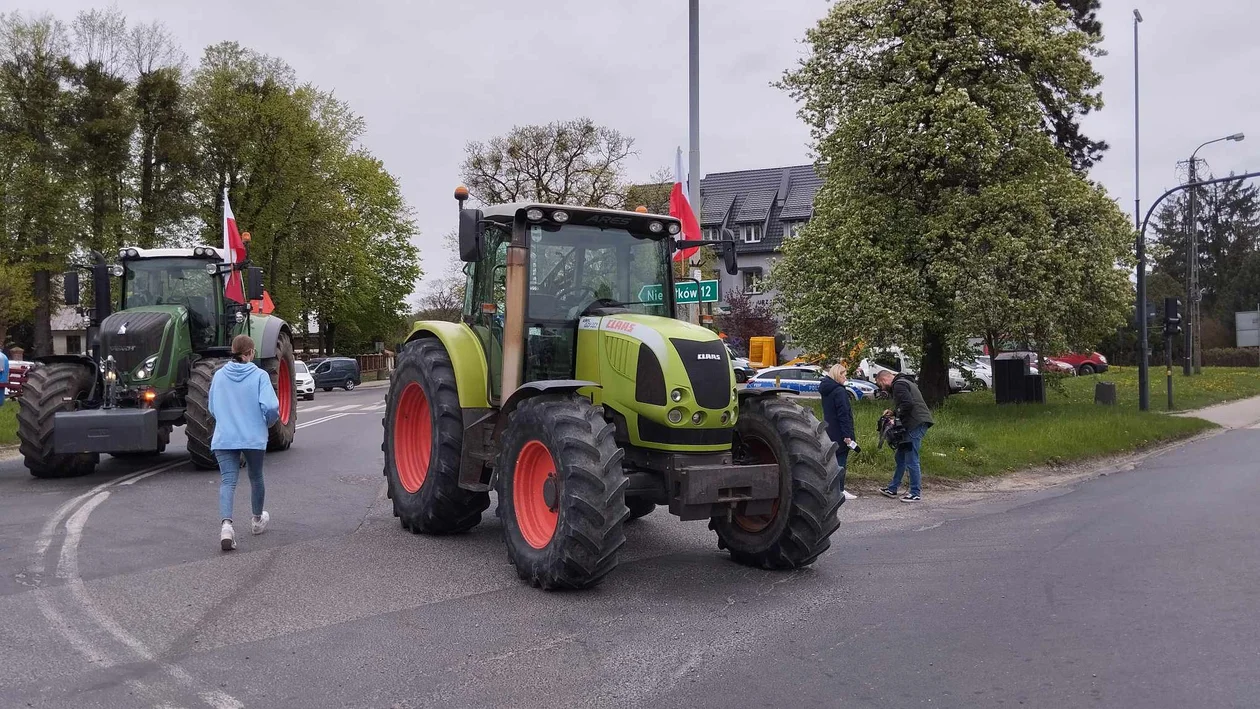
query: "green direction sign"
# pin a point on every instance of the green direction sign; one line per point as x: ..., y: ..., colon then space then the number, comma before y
x: 686, y: 292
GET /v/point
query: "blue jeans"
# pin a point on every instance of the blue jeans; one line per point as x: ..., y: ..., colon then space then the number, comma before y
x: 230, y: 469
x: 907, y: 457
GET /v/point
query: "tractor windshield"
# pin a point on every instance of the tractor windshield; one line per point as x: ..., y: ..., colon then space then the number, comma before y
x: 574, y: 270
x: 176, y: 281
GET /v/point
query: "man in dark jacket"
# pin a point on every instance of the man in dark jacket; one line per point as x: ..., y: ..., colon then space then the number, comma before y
x: 913, y: 413
x: 838, y: 413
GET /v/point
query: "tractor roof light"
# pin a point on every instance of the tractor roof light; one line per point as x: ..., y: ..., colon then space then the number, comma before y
x: 212, y: 268
x: 656, y: 227
x: 674, y: 228
x: 116, y: 271
x: 560, y: 216
x: 534, y: 215
x: 126, y: 253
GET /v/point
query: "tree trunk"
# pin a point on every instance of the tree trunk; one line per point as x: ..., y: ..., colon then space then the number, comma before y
x: 148, y: 229
x: 43, y: 313
x: 934, y: 374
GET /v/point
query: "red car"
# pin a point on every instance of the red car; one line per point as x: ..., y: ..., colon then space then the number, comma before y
x: 1086, y: 364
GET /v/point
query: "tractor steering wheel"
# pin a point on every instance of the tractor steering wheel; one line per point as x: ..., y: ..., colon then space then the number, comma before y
x: 565, y: 294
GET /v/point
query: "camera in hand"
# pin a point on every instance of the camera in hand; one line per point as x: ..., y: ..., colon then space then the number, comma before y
x: 891, y: 431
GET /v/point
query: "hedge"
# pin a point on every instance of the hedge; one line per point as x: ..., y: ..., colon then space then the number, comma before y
x: 1231, y: 357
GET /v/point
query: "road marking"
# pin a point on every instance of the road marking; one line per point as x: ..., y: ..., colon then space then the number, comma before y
x: 347, y: 408
x: 320, y: 420
x: 375, y: 407
x: 313, y: 408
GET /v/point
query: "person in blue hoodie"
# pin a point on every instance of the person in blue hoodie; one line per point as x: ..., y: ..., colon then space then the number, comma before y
x: 244, y: 406
x: 838, y: 414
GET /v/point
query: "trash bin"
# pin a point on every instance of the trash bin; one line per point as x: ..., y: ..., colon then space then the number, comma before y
x: 1105, y: 393
x: 1008, y: 380
x: 1034, y: 389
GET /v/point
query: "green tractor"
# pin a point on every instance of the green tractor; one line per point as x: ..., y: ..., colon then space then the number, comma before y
x: 571, y: 390
x: 151, y: 364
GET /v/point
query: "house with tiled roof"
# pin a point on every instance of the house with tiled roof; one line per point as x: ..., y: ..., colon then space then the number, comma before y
x: 760, y: 208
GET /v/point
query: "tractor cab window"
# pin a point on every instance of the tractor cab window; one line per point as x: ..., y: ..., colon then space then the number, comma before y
x: 176, y: 281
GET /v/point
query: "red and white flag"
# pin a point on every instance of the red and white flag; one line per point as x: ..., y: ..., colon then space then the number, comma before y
x: 233, y: 253
x: 680, y: 209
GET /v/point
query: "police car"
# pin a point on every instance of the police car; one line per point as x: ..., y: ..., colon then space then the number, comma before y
x: 805, y: 379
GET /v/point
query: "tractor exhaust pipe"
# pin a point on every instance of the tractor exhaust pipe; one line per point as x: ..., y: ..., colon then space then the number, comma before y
x: 514, y: 323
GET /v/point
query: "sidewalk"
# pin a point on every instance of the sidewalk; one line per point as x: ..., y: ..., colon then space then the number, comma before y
x: 1243, y: 413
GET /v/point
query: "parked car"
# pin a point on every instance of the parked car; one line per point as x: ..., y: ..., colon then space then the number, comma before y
x: 893, y: 359
x: 304, y: 381
x: 336, y: 372
x: 976, y: 370
x: 1084, y: 364
x: 805, y: 379
x: 743, y: 368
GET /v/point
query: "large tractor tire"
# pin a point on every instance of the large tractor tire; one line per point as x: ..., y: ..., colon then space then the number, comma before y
x: 424, y: 435
x: 284, y: 381
x: 562, y: 492
x: 811, y: 487
x: 198, y: 423
x: 50, y: 388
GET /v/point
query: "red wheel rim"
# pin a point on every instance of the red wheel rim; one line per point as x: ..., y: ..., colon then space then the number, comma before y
x: 285, y: 393
x: 757, y: 451
x: 533, y: 481
x: 413, y: 437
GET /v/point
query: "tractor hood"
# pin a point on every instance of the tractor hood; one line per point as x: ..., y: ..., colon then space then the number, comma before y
x: 133, y: 336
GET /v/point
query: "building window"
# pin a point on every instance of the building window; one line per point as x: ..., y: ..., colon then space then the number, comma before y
x: 710, y: 234
x: 752, y: 280
x: 750, y: 233
x: 791, y: 229
x: 73, y: 345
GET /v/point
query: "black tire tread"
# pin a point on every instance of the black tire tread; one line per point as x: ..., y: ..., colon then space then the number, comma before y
x: 198, y: 423
x: 441, y: 506
x: 816, y: 488
x: 589, y: 534
x: 50, y: 388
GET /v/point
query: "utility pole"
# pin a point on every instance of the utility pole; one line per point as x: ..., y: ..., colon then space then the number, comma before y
x: 1143, y: 372
x: 693, y: 90
x: 1192, y: 273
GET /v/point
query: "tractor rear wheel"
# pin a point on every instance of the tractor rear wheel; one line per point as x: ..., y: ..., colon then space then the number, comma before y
x: 50, y: 388
x: 562, y: 492
x: 284, y: 381
x: 811, y: 483
x: 424, y: 436
x: 198, y: 423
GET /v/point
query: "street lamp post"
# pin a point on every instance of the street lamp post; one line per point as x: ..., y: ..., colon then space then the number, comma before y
x: 1143, y: 391
x: 1193, y: 354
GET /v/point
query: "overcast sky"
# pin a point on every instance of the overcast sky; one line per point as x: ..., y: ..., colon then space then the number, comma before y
x: 429, y: 76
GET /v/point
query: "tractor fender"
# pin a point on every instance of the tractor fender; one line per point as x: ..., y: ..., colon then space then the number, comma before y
x: 265, y: 340
x: 532, y: 389
x: 472, y: 379
x: 87, y: 362
x: 746, y: 393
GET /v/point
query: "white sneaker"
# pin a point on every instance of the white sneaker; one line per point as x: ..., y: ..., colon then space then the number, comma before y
x: 849, y: 496
x: 260, y: 522
x: 227, y: 536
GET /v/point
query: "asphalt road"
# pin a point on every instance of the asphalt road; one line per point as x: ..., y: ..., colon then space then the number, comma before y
x: 1137, y: 589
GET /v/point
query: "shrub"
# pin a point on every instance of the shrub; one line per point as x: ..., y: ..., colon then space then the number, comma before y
x: 1231, y: 357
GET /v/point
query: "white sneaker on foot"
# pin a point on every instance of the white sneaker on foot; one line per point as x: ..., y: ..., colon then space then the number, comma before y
x: 849, y: 496
x: 260, y: 522
x: 227, y: 536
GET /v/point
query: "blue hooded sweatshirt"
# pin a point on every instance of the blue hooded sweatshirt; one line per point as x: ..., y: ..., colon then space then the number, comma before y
x: 243, y: 405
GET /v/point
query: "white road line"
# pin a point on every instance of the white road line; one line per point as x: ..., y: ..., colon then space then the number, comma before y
x: 320, y: 420
x: 313, y: 408
x: 375, y: 407
x: 347, y: 408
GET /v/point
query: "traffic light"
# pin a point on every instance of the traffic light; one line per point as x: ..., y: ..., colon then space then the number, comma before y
x: 1172, y: 316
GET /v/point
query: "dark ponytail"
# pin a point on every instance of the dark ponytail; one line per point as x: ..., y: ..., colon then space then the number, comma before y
x: 241, y: 346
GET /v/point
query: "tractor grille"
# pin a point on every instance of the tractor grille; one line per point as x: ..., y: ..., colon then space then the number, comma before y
x: 649, y: 381
x: 141, y: 337
x: 709, y: 370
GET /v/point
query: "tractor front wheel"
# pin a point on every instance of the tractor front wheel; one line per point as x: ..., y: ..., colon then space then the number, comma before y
x: 811, y: 483
x: 562, y: 492
x: 198, y: 423
x: 424, y: 435
x: 284, y: 381
x: 50, y: 388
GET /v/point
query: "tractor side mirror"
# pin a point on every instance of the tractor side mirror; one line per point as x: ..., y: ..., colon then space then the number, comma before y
x: 71, y: 281
x: 471, y: 231
x: 728, y: 252
x: 253, y: 283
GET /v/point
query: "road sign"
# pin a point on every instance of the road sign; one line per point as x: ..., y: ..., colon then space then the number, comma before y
x: 685, y: 292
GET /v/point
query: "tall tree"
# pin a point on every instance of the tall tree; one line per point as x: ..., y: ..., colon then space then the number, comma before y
x: 940, y: 175
x: 1063, y: 122
x: 566, y: 162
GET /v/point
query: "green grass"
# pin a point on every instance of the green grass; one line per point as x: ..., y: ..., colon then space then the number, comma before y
x: 8, y: 423
x: 973, y: 437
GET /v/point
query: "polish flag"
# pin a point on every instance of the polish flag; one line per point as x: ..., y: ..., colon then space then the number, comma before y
x: 680, y: 209
x: 233, y: 253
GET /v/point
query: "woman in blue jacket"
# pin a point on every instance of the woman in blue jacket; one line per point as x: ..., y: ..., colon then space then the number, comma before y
x: 838, y: 413
x: 243, y: 405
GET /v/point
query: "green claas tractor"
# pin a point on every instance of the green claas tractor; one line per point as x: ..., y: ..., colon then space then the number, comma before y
x: 151, y: 363
x: 573, y: 393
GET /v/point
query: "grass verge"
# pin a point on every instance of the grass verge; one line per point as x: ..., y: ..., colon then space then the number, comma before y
x: 973, y: 437
x: 8, y: 423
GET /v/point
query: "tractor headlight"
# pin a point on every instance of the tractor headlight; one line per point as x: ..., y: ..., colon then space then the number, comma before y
x: 676, y: 395
x: 146, y: 368
x: 656, y: 227
x: 697, y: 418
x: 534, y: 215
x: 560, y: 216
x: 116, y: 271
x: 212, y: 268
x: 726, y: 416
x: 675, y: 415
